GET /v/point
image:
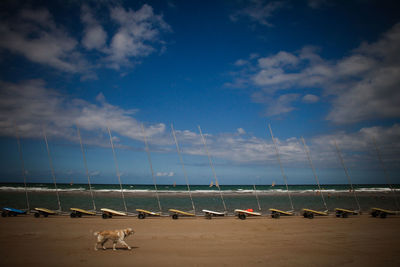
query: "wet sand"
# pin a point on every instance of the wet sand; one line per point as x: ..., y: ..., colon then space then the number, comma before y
x: 289, y: 241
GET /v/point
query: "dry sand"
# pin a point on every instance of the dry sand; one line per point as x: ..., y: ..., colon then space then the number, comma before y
x: 289, y: 241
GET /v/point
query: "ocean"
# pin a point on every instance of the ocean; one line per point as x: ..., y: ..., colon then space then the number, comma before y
x: 204, y: 197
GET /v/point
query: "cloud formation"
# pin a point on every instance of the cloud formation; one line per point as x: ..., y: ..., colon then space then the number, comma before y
x: 137, y: 31
x: 31, y: 105
x: 364, y: 84
x: 165, y: 174
x: 281, y: 105
x: 94, y: 36
x: 310, y: 98
x: 34, y: 34
x: 258, y: 11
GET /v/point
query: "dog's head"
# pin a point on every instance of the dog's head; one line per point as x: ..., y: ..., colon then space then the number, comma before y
x: 128, y: 231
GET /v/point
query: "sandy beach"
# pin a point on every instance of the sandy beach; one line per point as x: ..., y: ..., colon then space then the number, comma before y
x: 289, y: 241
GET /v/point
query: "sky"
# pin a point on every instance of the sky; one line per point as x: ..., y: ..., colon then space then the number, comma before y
x: 327, y: 71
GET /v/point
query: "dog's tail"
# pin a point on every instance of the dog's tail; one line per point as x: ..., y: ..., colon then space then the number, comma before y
x: 95, y: 233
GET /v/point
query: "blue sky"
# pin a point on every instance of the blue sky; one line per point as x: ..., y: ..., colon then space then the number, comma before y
x: 325, y: 70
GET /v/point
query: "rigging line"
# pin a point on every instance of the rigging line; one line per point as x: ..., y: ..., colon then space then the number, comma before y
x: 212, y: 168
x: 86, y: 167
x: 117, y: 169
x: 347, y: 174
x: 52, y: 168
x: 151, y: 167
x: 183, y: 166
x: 255, y: 189
x: 21, y: 158
x: 280, y: 165
x: 314, y: 172
x: 255, y: 192
x: 385, y: 172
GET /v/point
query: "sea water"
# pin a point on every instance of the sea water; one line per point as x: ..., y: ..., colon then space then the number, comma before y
x: 204, y: 197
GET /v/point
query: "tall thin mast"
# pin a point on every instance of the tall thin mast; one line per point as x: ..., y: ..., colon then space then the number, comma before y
x: 151, y: 167
x: 52, y: 169
x: 280, y: 165
x: 347, y: 174
x: 183, y: 167
x: 258, y: 201
x: 314, y: 172
x: 386, y: 172
x: 212, y: 167
x: 117, y: 170
x: 22, y: 166
x: 86, y: 167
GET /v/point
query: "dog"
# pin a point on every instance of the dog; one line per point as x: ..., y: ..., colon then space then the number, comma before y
x: 117, y: 236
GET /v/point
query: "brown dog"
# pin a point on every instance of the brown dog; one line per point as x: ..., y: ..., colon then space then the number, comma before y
x: 117, y: 236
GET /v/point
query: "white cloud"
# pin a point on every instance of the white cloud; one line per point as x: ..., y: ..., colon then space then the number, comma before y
x: 258, y: 11
x: 138, y: 30
x: 239, y: 148
x: 375, y: 94
x: 280, y: 71
x: 281, y: 59
x: 241, y: 62
x: 359, y: 146
x: 241, y: 131
x: 165, y: 174
x: 273, y: 107
x: 94, y: 35
x: 309, y: 98
x: 34, y: 34
x: 364, y: 84
x: 30, y: 105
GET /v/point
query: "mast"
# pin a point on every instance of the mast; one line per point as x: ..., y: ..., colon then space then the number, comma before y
x: 212, y: 168
x: 183, y: 167
x: 280, y: 165
x: 347, y: 174
x: 86, y: 167
x: 22, y: 166
x: 258, y: 201
x: 151, y: 167
x: 52, y: 169
x: 117, y: 169
x: 314, y: 172
x: 385, y: 172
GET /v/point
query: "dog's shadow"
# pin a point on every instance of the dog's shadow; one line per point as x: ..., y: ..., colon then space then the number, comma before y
x: 120, y: 249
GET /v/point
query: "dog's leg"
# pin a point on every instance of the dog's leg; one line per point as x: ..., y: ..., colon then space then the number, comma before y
x: 114, y: 244
x: 102, y: 244
x: 95, y: 246
x: 122, y: 242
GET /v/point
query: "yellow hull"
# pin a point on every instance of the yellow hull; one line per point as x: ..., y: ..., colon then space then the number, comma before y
x: 148, y: 212
x: 113, y: 212
x: 281, y: 212
x: 391, y: 212
x: 345, y: 210
x: 181, y: 212
x: 45, y: 210
x: 247, y: 212
x: 322, y: 213
x: 83, y: 211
